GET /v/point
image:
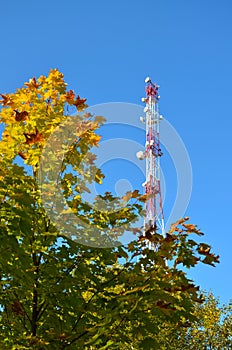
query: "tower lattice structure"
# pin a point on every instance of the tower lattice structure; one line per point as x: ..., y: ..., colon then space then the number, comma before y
x: 154, y: 217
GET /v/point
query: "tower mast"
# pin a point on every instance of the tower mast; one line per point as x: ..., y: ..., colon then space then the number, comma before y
x: 154, y: 217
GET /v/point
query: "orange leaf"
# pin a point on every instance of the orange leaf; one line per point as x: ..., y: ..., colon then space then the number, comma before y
x: 33, y: 137
x: 7, y: 100
x: 32, y: 83
x: 80, y: 103
x: 70, y: 95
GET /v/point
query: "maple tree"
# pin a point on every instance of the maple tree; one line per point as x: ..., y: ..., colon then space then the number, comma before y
x: 56, y: 291
x: 211, y: 329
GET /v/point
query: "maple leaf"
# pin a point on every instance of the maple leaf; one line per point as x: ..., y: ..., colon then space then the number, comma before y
x: 69, y: 97
x: 170, y: 238
x: 32, y: 84
x: 209, y: 260
x: 127, y: 196
x: 22, y: 155
x: 141, y: 238
x: 135, y: 194
x: 33, y: 137
x: 145, y: 197
x: 80, y: 103
x: 175, y: 224
x: 16, y: 308
x: 189, y: 226
x: 7, y: 100
x: 162, y: 304
x: 20, y: 116
x: 204, y: 249
x: 99, y: 119
x: 191, y: 288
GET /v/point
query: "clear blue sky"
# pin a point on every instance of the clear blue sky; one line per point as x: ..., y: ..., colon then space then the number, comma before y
x: 106, y: 48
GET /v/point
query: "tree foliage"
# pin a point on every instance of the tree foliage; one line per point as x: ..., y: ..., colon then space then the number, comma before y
x: 211, y: 329
x: 55, y: 292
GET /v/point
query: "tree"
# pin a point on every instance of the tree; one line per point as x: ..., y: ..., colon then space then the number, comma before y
x: 62, y: 291
x: 211, y: 329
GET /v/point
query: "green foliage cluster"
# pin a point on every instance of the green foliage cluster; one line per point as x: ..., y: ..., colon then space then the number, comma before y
x: 211, y: 329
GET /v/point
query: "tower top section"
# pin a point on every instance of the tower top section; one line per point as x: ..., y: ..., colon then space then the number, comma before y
x: 152, y: 90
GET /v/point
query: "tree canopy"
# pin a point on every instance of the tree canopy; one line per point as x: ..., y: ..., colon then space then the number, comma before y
x: 62, y: 290
x: 211, y: 329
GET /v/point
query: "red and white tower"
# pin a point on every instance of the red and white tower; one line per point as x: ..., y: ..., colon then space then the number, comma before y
x: 154, y: 218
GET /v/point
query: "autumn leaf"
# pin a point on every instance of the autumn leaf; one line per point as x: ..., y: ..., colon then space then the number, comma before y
x: 22, y: 155
x: 204, y: 249
x: 80, y: 102
x: 32, y: 138
x: 70, y: 95
x: 20, y: 116
x: 127, y: 196
x: 146, y: 197
x: 16, y: 308
x: 7, y: 100
x: 32, y: 84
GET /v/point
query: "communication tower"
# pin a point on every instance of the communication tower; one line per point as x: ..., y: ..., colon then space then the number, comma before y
x: 154, y: 217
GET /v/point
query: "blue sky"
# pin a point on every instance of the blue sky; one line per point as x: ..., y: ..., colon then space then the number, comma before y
x: 106, y: 49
